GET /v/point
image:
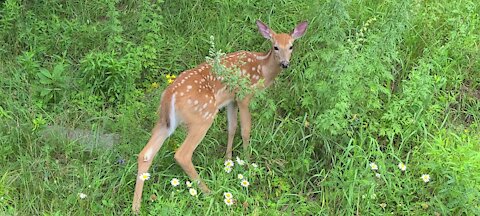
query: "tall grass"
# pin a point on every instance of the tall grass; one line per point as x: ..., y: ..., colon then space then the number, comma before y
x: 383, y: 82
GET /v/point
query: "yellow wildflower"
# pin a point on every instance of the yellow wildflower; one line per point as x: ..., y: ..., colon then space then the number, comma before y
x: 154, y: 85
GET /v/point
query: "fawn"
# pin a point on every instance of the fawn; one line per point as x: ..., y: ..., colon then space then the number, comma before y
x: 195, y: 97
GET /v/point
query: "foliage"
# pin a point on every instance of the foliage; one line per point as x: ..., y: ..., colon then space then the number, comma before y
x: 371, y: 82
x: 231, y: 76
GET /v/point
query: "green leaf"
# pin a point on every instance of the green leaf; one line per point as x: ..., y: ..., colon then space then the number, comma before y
x: 45, y: 73
x: 58, y: 69
x: 45, y: 81
x: 45, y: 92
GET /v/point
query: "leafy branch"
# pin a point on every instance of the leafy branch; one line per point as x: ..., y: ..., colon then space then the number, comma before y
x: 232, y: 76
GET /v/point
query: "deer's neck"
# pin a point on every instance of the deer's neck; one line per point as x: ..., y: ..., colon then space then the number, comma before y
x: 270, y: 68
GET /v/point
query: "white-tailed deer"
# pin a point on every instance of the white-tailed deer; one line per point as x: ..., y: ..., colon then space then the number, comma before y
x: 196, y: 96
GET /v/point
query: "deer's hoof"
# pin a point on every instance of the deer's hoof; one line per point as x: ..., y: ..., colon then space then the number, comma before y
x: 204, y: 188
x: 136, y: 209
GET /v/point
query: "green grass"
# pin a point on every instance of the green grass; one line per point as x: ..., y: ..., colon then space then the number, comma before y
x: 387, y: 82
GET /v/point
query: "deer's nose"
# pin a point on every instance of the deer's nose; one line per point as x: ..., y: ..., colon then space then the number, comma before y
x: 284, y: 64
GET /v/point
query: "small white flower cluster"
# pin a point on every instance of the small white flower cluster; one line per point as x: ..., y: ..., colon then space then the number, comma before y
x: 240, y: 162
x: 175, y: 182
x: 401, y: 166
x: 374, y: 167
x: 228, y: 168
x: 228, y: 198
x: 82, y: 195
x: 229, y: 164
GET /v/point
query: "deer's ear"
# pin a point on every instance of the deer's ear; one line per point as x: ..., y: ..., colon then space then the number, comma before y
x: 264, y: 30
x: 299, y: 31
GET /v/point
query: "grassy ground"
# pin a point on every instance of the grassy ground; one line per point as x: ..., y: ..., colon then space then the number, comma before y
x: 373, y: 84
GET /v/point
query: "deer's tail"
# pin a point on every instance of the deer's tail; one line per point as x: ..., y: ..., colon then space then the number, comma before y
x: 168, y: 117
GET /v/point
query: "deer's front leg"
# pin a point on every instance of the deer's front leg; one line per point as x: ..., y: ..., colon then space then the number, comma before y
x: 245, y: 123
x: 232, y: 110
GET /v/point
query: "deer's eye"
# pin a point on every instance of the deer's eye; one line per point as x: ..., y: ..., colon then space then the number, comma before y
x: 275, y: 47
x: 291, y: 47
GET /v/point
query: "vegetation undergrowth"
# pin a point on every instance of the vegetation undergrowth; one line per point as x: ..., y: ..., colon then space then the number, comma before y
x: 378, y: 113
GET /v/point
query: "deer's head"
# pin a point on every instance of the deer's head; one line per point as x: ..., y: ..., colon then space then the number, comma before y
x: 282, y: 44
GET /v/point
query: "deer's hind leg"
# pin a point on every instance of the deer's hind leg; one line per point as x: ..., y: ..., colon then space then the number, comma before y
x: 183, y: 156
x: 145, y: 159
x: 197, y: 111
